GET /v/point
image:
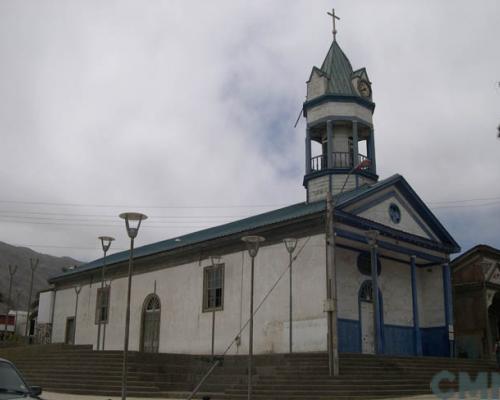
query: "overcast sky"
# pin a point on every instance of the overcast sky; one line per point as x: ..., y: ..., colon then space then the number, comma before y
x: 184, y: 110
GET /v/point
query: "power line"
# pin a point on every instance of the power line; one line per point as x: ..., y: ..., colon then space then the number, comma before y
x: 46, y: 203
x: 146, y: 226
x: 209, y: 206
x: 497, y: 203
x: 71, y: 220
x: 66, y: 214
x: 96, y: 248
x: 464, y: 200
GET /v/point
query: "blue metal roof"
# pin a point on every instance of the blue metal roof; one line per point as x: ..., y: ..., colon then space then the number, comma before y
x: 269, y: 218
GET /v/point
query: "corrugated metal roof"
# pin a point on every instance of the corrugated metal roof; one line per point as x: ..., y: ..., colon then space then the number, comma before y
x: 269, y: 218
x: 292, y: 212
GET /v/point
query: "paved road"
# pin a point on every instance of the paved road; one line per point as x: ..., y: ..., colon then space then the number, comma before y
x: 64, y: 396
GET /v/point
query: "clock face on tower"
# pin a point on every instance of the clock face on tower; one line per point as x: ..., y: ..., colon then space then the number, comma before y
x: 364, y: 89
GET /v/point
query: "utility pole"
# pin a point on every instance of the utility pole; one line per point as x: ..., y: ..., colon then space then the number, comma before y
x: 18, y: 295
x: 331, y: 289
x: 330, y: 305
x: 33, y: 265
x: 12, y: 271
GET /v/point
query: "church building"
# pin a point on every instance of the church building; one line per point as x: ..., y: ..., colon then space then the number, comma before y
x: 180, y: 296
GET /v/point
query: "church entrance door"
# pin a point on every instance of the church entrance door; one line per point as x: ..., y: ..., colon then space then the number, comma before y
x: 366, y: 318
x: 151, y: 324
x: 367, y: 328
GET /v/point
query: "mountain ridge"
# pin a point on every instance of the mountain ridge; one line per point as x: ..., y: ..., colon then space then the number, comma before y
x: 20, y: 255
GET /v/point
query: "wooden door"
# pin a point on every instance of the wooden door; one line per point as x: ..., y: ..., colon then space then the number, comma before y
x: 70, y: 331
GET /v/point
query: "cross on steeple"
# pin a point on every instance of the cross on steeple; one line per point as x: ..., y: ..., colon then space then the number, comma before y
x: 334, y: 17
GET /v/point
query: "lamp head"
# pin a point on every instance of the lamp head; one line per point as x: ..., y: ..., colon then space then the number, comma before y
x: 106, y: 242
x: 290, y: 244
x: 133, y: 222
x: 253, y: 243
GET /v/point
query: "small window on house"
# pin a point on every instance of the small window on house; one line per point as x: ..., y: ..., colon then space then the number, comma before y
x: 213, y: 288
x: 102, y: 305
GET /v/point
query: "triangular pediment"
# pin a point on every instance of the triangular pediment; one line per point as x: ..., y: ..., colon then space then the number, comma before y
x: 391, y: 209
x: 393, y: 203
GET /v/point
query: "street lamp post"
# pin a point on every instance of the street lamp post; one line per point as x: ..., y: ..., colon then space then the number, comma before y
x: 78, y: 289
x: 34, y: 266
x: 215, y: 261
x: 290, y: 244
x: 12, y: 271
x: 106, y: 243
x: 107, y: 285
x: 253, y: 243
x: 132, y: 223
x: 331, y: 273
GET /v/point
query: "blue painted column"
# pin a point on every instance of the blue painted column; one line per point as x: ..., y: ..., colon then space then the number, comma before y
x: 448, y: 308
x: 308, y: 151
x: 379, y: 348
x: 355, y: 150
x: 417, y: 335
x: 371, y: 151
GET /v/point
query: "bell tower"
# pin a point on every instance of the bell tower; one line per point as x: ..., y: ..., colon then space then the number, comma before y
x: 339, y: 134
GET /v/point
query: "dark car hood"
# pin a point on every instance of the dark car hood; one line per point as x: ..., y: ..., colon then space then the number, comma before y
x: 10, y: 396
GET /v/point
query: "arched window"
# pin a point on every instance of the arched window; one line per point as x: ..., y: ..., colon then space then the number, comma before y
x: 153, y: 304
x: 150, y: 335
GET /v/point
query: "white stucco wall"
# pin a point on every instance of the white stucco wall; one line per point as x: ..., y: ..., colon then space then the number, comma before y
x: 317, y: 188
x: 431, y: 297
x: 316, y: 85
x: 338, y: 109
x: 45, y: 307
x: 65, y: 301
x: 394, y: 284
x: 186, y: 329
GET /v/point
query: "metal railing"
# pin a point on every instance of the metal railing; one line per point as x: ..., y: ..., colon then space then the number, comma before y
x: 340, y: 160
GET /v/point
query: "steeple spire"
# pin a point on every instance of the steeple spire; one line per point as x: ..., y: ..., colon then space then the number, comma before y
x: 334, y: 17
x: 339, y: 112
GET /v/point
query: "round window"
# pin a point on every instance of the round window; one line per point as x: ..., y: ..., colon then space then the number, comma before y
x: 365, y: 264
x: 395, y: 213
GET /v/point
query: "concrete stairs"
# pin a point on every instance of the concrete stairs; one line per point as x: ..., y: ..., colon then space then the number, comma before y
x: 302, y: 376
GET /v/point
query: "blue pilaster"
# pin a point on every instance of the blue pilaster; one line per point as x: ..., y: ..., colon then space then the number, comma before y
x: 448, y: 305
x: 417, y: 335
x: 376, y: 301
x: 371, y: 151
